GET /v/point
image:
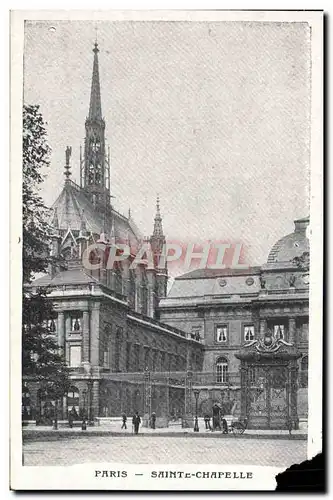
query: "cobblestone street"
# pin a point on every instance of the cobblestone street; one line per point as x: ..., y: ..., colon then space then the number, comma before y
x: 163, y: 450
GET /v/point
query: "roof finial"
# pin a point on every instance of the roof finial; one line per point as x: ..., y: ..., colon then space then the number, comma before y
x: 158, y: 205
x: 129, y: 213
x: 158, y: 229
x: 68, y: 153
x: 95, y: 107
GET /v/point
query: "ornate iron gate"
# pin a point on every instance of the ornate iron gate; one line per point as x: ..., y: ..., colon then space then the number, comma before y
x: 268, y: 396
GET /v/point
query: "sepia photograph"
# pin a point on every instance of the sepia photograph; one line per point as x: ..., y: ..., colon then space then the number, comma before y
x: 169, y: 327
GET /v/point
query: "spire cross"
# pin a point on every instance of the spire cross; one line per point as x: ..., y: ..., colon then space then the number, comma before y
x: 68, y: 153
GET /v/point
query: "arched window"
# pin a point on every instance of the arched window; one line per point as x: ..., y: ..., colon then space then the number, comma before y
x: 221, y: 370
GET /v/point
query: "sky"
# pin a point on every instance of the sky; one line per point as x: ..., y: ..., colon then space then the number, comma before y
x: 212, y: 116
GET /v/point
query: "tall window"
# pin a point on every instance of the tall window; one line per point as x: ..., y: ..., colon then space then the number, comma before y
x: 76, y: 323
x: 117, y: 351
x: 221, y: 370
x: 146, y: 359
x: 221, y: 333
x: 128, y: 356
x: 279, y: 331
x: 136, y: 358
x: 248, y: 333
x: 52, y: 326
x: 74, y: 356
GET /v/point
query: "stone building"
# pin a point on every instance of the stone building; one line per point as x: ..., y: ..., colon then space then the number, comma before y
x: 232, y: 309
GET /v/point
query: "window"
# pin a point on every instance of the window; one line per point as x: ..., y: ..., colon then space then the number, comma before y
x: 136, y: 358
x: 74, y: 356
x: 52, y: 326
x: 117, y: 350
x: 128, y: 356
x: 221, y: 370
x: 279, y: 331
x: 106, y: 358
x: 76, y: 323
x: 304, y: 331
x: 248, y: 333
x: 146, y: 359
x: 221, y: 333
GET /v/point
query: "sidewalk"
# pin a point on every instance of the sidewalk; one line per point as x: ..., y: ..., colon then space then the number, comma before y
x: 113, y: 429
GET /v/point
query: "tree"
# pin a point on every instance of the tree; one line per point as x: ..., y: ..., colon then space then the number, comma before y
x: 41, y: 359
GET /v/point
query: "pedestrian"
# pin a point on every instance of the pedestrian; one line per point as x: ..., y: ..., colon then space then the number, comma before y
x: 124, y: 426
x: 136, y: 421
x: 216, y: 418
x: 207, y: 422
x: 153, y: 420
x: 224, y: 426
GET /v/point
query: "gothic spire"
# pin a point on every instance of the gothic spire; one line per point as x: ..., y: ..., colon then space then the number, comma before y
x: 95, y: 108
x: 158, y: 229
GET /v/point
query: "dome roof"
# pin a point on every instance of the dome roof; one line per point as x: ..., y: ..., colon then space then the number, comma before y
x: 293, y: 245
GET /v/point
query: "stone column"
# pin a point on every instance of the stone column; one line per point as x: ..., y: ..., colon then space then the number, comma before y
x: 85, y: 337
x: 262, y: 328
x: 292, y: 330
x: 95, y: 399
x: 61, y: 330
x: 94, y: 336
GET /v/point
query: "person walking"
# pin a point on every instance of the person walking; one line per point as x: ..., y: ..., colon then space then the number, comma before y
x: 153, y: 420
x: 207, y: 422
x: 216, y: 417
x: 136, y: 421
x: 124, y: 426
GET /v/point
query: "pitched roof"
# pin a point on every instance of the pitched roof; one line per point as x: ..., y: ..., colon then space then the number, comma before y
x: 75, y: 276
x: 73, y: 206
x: 215, y: 273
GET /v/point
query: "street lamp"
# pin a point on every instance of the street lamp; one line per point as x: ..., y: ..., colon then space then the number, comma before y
x: 84, y: 393
x: 90, y: 416
x: 196, y: 395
